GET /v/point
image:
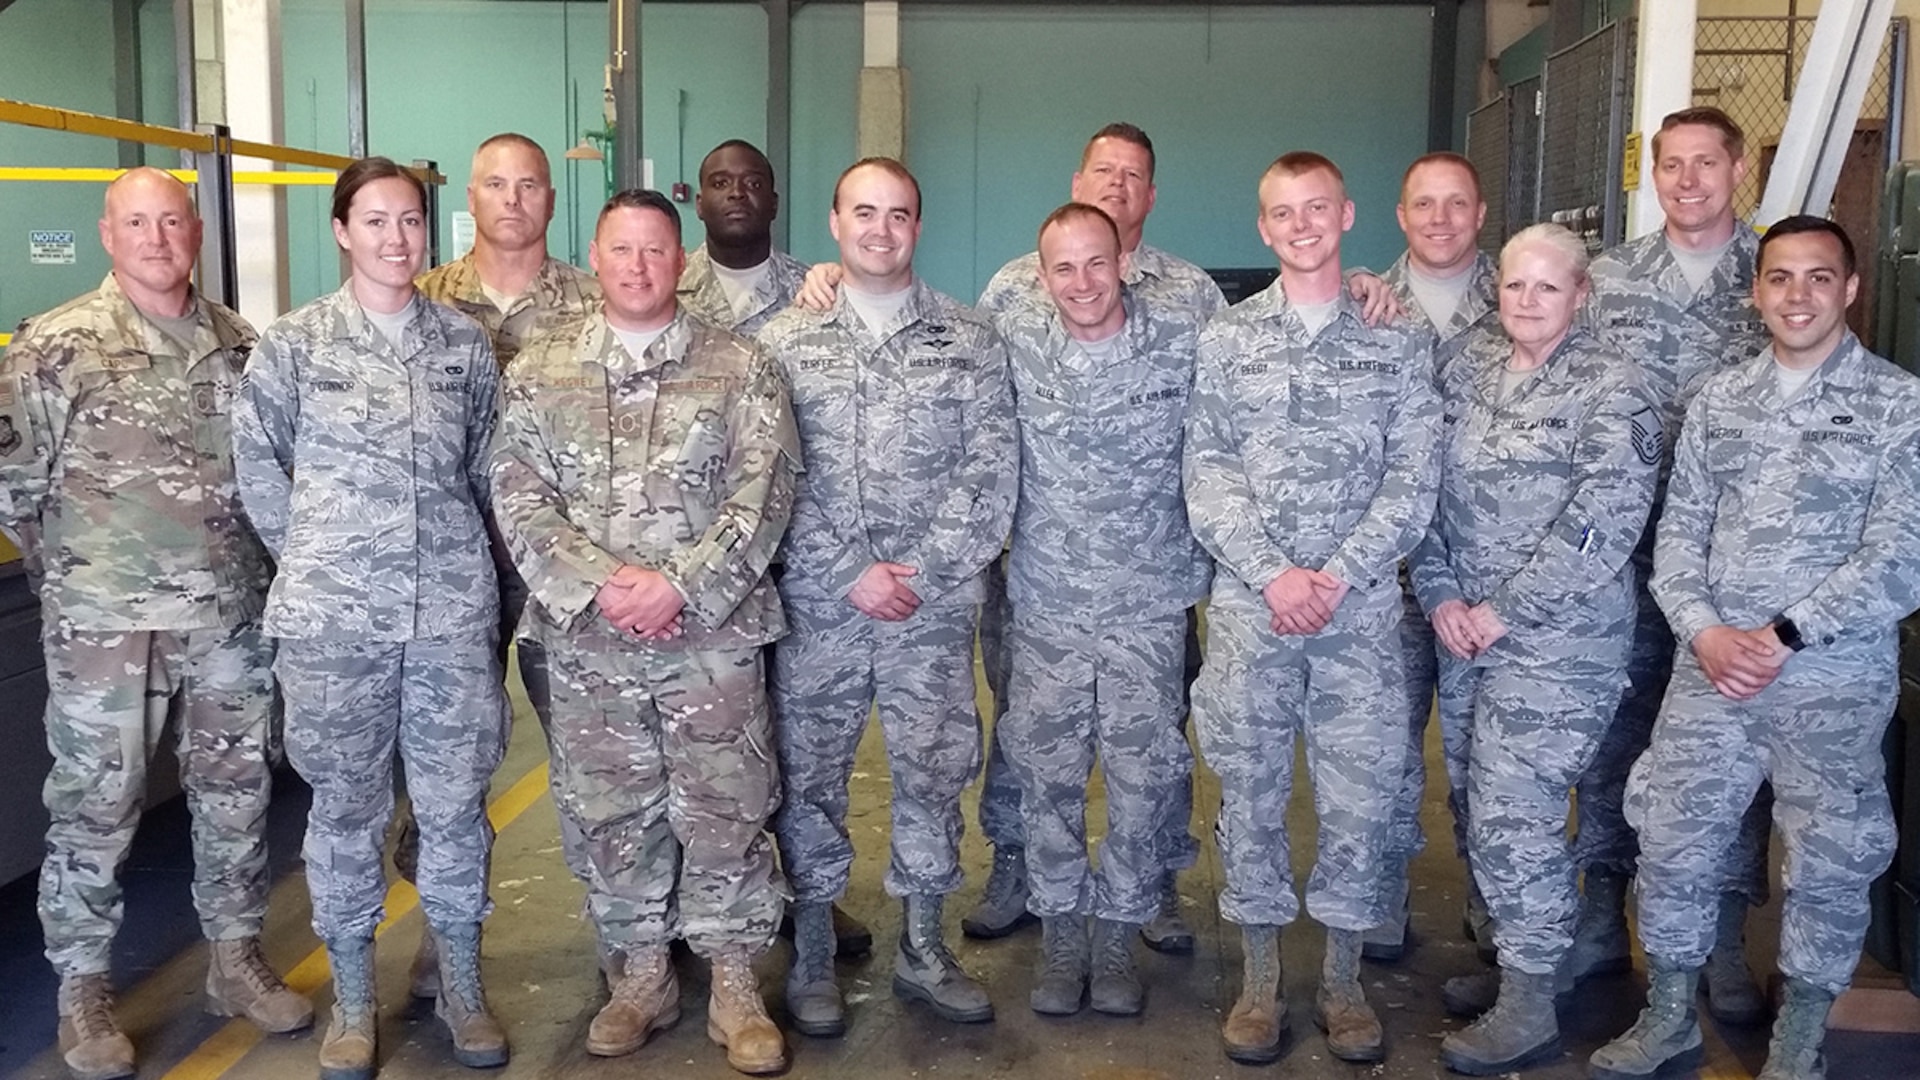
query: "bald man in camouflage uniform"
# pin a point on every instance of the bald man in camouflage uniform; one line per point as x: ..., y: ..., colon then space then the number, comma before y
x: 1786, y: 559
x: 119, y: 489
x: 906, y: 417
x: 1682, y: 309
x: 1102, y: 573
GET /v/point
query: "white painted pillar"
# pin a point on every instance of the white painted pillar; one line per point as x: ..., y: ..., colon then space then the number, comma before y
x: 882, y: 101
x: 1663, y: 83
x: 237, y: 60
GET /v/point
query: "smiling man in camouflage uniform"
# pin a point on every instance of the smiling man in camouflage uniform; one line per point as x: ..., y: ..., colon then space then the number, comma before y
x: 121, y: 491
x: 645, y: 472
x: 907, y: 419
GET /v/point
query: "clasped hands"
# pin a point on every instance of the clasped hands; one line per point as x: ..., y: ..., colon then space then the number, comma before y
x: 882, y: 592
x: 1740, y: 663
x: 641, y: 602
x: 1465, y: 630
x: 1302, y: 601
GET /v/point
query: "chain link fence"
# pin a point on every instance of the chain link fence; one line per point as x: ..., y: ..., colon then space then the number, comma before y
x: 1488, y: 145
x: 1587, y: 88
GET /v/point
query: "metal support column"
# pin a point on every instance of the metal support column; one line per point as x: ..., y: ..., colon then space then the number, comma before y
x: 779, y: 146
x: 219, y: 267
x: 1847, y: 39
x: 356, y: 78
x: 433, y: 211
x: 186, y: 72
x: 625, y: 66
x: 1441, y: 71
x: 1663, y: 83
x: 127, y: 104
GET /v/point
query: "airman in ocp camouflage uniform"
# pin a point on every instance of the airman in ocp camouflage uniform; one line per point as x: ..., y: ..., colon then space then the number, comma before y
x: 1785, y: 560
x: 1116, y: 175
x: 560, y: 296
x: 737, y: 279
x: 361, y: 436
x: 119, y: 488
x: 1102, y: 573
x: 1550, y: 443
x: 1682, y: 320
x: 906, y: 417
x: 1310, y: 473
x: 1441, y: 211
x: 651, y: 454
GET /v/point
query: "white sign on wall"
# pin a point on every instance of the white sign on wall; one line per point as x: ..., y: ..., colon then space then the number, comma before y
x: 50, y: 247
x: 462, y: 235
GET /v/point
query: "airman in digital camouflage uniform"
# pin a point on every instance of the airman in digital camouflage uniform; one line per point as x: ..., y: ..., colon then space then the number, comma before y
x: 1785, y: 560
x: 119, y: 489
x: 1446, y: 284
x: 907, y: 421
x: 360, y: 441
x: 1549, y: 448
x: 1680, y: 302
x: 510, y: 285
x: 737, y: 279
x: 1102, y: 573
x: 1310, y: 473
x: 1116, y: 175
x: 645, y: 472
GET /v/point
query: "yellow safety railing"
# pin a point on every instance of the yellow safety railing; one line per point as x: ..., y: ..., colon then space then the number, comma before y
x: 83, y: 175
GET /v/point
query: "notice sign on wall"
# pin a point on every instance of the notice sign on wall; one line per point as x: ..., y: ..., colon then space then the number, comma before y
x: 50, y: 247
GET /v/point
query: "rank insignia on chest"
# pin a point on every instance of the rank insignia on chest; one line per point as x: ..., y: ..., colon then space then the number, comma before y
x: 237, y: 358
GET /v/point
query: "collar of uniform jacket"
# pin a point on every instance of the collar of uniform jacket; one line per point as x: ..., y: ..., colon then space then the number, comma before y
x: 1845, y: 368
x: 1133, y: 332
x: 598, y: 342
x: 1487, y: 377
x: 547, y: 290
x: 425, y: 331
x: 1480, y: 298
x: 212, y: 332
x: 1733, y: 273
x: 1272, y: 304
x: 920, y: 305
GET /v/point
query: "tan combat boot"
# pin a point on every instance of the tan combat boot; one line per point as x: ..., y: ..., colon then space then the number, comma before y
x: 239, y: 983
x: 1342, y: 1010
x: 645, y: 999
x: 90, y: 1042
x: 347, y: 1050
x: 479, y: 1042
x: 1257, y: 1026
x: 737, y: 1018
x: 423, y: 978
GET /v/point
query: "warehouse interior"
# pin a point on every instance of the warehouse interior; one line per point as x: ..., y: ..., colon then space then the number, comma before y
x: 991, y: 106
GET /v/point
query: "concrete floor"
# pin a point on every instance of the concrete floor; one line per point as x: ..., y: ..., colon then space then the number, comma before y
x: 543, y: 984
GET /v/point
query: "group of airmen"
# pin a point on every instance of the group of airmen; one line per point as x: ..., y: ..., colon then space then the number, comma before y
x: 1644, y: 526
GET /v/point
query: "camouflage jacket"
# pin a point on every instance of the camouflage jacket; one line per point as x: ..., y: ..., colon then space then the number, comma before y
x: 1809, y: 507
x: 681, y: 460
x: 1310, y: 451
x: 700, y: 292
x: 1543, y: 495
x: 116, y: 467
x: 1479, y: 308
x: 365, y: 470
x: 1166, y: 280
x: 910, y: 447
x: 1100, y: 529
x: 560, y: 295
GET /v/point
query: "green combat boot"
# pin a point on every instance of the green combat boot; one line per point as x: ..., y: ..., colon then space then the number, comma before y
x: 1520, y: 1030
x: 924, y: 969
x: 1060, y: 983
x: 1115, y: 988
x: 1798, y: 1033
x: 813, y: 995
x: 1667, y: 1034
x: 1732, y: 995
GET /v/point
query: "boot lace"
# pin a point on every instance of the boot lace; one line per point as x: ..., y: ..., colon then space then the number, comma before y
x: 1059, y: 946
x: 91, y: 1009
x: 246, y: 963
x: 1112, y: 954
x: 1004, y: 884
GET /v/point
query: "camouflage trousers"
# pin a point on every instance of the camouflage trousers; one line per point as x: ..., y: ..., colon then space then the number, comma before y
x: 1604, y: 839
x: 532, y: 658
x: 1535, y: 713
x: 1420, y: 675
x: 1000, y: 817
x: 662, y: 761
x: 1815, y: 733
x: 350, y: 706
x: 109, y: 694
x: 828, y: 673
x: 1115, y: 691
x: 1341, y: 690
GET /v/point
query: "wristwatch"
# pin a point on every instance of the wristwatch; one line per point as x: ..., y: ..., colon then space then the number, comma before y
x: 1788, y: 633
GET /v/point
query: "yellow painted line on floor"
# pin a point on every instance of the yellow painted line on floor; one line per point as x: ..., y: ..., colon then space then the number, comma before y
x: 224, y: 1048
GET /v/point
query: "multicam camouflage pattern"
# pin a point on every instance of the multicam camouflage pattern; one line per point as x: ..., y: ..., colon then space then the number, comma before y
x: 559, y: 296
x: 827, y: 676
x: 351, y: 704
x: 107, y: 705
x: 700, y: 291
x: 116, y: 467
x: 364, y: 468
x: 664, y: 761
x: 1100, y: 541
x: 1543, y: 495
x: 1807, y: 508
x: 1479, y: 310
x: 681, y: 461
x: 1315, y: 451
x: 1112, y: 688
x: 1645, y: 308
x: 910, y: 447
x: 1167, y: 280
